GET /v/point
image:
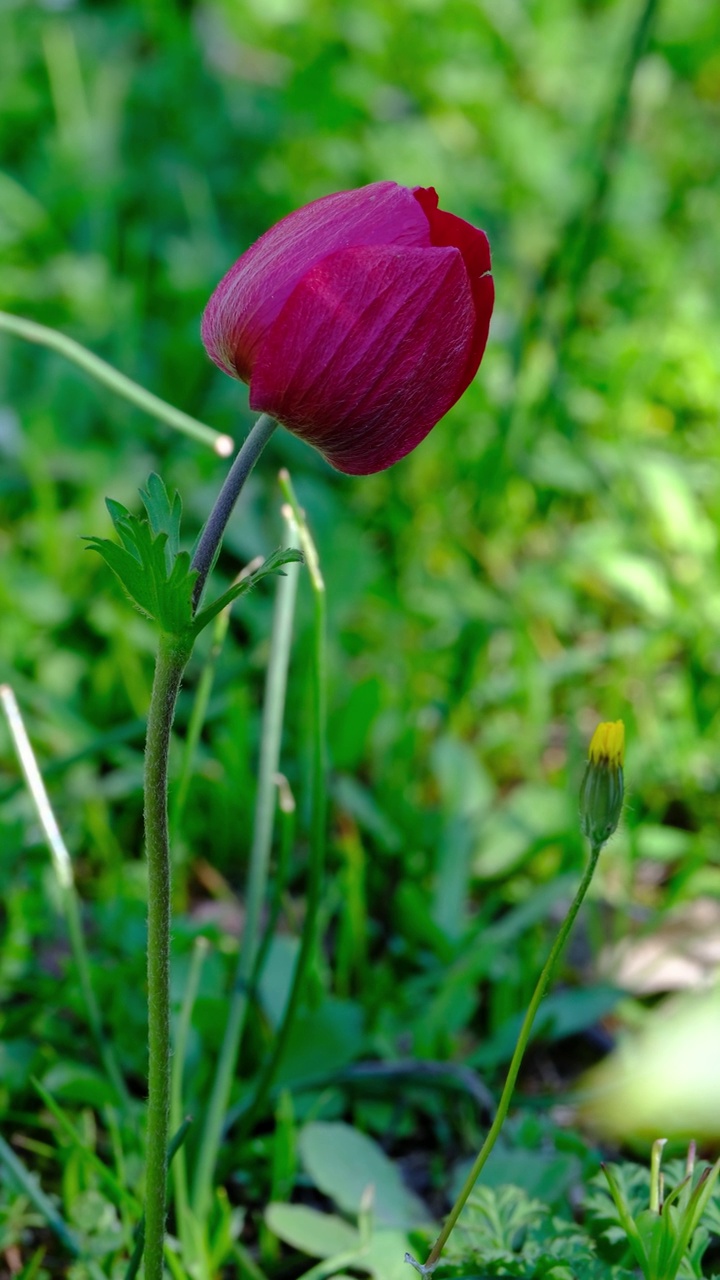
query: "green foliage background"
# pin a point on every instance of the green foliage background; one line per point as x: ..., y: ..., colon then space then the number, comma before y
x: 547, y: 558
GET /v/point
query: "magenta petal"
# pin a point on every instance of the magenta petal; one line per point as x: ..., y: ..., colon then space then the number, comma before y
x: 448, y: 229
x: 483, y: 291
x: 369, y: 351
x: 250, y: 297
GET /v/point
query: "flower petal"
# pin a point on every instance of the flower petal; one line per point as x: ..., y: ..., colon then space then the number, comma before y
x: 250, y: 297
x: 448, y: 229
x: 368, y: 353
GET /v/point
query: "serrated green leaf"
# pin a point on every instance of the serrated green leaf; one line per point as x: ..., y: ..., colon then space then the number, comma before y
x: 164, y: 516
x: 163, y: 595
x: 117, y: 511
x: 122, y: 521
x: 273, y: 564
x: 156, y: 575
x: 126, y: 566
x: 655, y: 1231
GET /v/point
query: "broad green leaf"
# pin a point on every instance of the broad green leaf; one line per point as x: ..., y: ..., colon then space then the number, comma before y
x: 321, y: 1235
x: 346, y: 1164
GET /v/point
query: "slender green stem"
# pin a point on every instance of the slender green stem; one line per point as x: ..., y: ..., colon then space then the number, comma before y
x: 319, y: 807
x: 506, y: 1096
x: 212, y: 535
x: 273, y: 713
x: 42, y: 336
x: 171, y: 660
x: 62, y: 865
x: 656, y: 1153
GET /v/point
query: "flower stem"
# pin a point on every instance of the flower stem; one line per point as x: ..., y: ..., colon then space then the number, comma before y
x: 506, y: 1096
x: 212, y: 535
x: 172, y: 657
x: 196, y: 722
x: 173, y: 1147
x: 171, y: 660
x: 273, y: 713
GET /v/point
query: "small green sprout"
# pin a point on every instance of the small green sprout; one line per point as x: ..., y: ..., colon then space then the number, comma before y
x: 667, y: 1236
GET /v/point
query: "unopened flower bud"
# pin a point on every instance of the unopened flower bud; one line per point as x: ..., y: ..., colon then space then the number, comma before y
x: 602, y: 790
x: 358, y: 321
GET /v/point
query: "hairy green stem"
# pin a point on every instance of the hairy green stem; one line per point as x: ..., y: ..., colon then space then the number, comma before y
x: 319, y: 807
x: 171, y: 660
x: 174, y: 1146
x: 273, y: 714
x: 197, y: 719
x: 516, y: 1061
x: 123, y: 386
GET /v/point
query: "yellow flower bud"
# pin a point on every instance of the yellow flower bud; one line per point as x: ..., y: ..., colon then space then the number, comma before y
x: 602, y: 790
x: 607, y: 744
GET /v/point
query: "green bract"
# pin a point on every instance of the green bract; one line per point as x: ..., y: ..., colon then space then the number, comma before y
x: 601, y: 801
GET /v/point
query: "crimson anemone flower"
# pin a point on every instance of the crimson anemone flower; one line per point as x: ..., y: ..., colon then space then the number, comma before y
x: 357, y: 321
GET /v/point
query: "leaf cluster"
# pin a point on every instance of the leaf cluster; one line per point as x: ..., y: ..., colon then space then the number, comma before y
x: 505, y: 1232
x: 157, y: 576
x: 668, y: 1241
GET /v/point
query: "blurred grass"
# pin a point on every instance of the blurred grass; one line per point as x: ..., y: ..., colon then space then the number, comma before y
x: 547, y: 558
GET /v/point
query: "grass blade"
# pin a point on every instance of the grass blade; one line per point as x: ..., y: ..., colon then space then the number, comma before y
x: 62, y: 865
x: 319, y: 803
x: 186, y: 1222
x: 265, y: 803
x: 44, y: 1205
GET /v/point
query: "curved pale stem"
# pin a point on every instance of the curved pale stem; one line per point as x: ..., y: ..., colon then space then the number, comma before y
x: 42, y: 336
